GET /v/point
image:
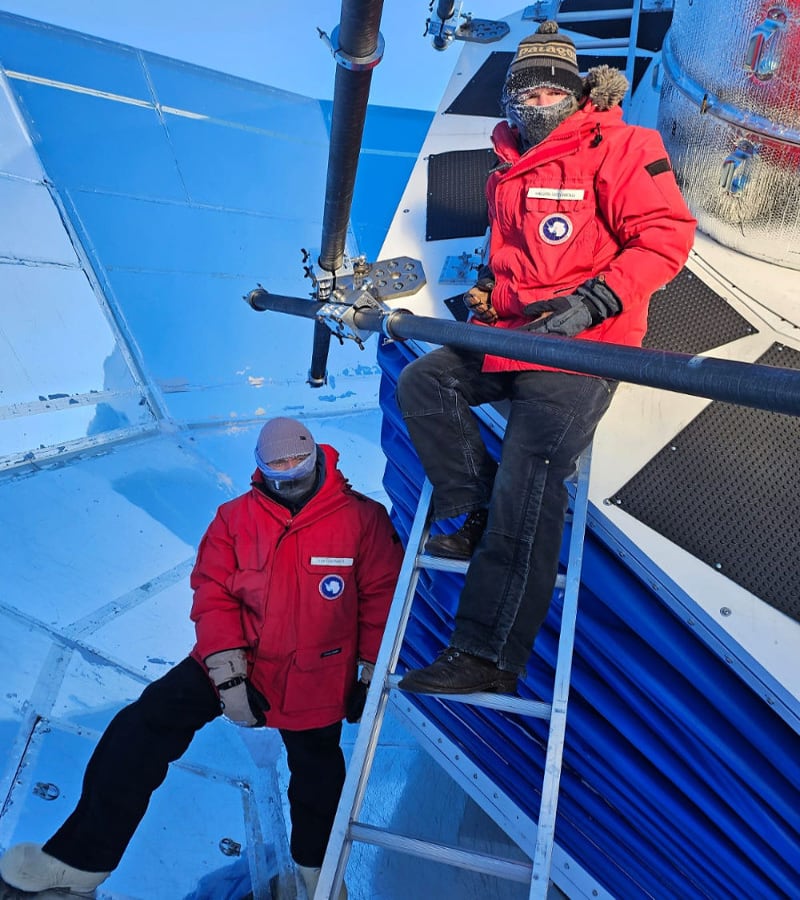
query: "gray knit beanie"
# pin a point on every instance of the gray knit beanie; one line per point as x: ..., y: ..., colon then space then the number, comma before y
x: 282, y: 438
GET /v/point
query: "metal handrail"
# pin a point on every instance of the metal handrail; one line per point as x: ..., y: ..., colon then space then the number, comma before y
x: 745, y: 384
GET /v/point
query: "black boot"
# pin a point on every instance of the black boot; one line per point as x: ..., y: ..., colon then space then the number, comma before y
x: 462, y: 543
x: 456, y: 672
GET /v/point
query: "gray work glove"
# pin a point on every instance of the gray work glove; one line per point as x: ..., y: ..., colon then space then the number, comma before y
x: 239, y: 700
x: 478, y: 299
x: 591, y: 303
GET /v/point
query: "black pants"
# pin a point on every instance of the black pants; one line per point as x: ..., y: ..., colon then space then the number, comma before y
x: 553, y: 416
x: 133, y: 755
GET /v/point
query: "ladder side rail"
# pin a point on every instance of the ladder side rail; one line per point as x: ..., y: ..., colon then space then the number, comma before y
x: 545, y: 831
x: 339, y: 844
x: 630, y: 63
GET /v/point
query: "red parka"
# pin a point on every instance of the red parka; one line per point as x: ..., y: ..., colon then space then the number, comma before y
x: 306, y: 595
x: 596, y: 198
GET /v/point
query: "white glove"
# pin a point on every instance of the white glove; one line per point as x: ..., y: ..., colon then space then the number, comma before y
x: 228, y: 670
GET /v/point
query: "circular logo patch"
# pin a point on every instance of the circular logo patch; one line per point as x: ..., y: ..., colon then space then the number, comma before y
x: 555, y: 229
x: 331, y: 586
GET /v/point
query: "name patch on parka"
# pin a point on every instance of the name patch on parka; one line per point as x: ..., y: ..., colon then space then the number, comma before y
x: 331, y: 560
x: 331, y: 586
x: 539, y: 193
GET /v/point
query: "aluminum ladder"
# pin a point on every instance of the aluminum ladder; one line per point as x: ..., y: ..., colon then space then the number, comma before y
x: 347, y: 828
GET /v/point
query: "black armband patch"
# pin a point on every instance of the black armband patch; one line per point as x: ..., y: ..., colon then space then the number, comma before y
x: 659, y: 166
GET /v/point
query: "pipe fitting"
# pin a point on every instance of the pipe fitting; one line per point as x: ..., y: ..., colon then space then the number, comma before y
x: 347, y: 60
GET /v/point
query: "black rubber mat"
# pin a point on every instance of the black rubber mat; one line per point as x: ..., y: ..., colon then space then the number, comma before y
x: 727, y: 490
x: 481, y: 94
x: 690, y: 317
x: 456, y: 194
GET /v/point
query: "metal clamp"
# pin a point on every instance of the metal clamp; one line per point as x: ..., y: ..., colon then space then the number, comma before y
x: 339, y: 317
x: 736, y: 167
x: 762, y: 58
x: 347, y: 60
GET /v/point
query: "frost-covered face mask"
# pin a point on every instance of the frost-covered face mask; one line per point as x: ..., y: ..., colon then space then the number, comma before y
x: 292, y: 478
x: 534, y: 118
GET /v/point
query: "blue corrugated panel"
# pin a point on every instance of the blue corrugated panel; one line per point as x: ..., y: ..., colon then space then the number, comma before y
x: 678, y: 781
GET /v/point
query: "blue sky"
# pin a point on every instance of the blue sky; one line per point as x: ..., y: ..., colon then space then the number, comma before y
x: 275, y: 43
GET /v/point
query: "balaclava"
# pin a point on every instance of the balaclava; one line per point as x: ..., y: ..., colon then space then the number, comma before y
x: 544, y: 59
x: 282, y: 438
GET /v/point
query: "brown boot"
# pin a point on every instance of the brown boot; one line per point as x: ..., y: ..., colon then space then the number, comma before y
x: 462, y: 543
x: 457, y: 672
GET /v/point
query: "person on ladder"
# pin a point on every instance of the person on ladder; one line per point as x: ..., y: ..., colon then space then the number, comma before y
x: 587, y: 221
x: 292, y: 586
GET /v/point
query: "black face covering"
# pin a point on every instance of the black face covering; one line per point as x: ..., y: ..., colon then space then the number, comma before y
x: 292, y: 491
x: 536, y: 122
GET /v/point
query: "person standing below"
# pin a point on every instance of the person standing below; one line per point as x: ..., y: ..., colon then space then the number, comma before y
x: 292, y: 586
x: 587, y: 221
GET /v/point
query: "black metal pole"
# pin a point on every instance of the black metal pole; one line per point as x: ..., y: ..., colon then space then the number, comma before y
x: 356, y: 50
x: 745, y: 384
x: 444, y: 11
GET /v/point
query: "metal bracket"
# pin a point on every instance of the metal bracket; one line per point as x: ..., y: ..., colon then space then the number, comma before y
x: 475, y: 31
x: 339, y: 316
x: 346, y: 60
x: 763, y: 56
x: 399, y: 276
x: 735, y: 171
x: 541, y: 10
x: 481, y: 31
x: 461, y: 269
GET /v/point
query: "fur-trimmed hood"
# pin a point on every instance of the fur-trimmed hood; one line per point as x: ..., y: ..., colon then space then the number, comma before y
x: 605, y: 87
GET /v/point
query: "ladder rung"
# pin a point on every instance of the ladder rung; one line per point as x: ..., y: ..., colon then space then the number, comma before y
x: 442, y: 853
x: 440, y: 564
x: 535, y: 709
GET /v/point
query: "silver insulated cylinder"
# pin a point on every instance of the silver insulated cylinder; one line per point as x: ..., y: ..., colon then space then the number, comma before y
x: 730, y: 117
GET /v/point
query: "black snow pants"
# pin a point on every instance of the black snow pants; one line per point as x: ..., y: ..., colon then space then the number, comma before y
x: 132, y: 759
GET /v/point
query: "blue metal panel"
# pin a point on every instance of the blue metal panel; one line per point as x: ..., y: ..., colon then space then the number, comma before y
x: 229, y: 99
x: 102, y: 144
x: 679, y: 780
x: 283, y: 177
x: 66, y: 56
x: 134, y: 234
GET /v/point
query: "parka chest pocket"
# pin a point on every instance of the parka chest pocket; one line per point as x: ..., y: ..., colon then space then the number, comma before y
x: 557, y: 213
x: 330, y: 584
x: 254, y: 560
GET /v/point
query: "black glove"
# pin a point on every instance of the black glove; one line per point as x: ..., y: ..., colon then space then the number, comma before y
x: 478, y: 299
x: 240, y: 702
x: 259, y: 705
x: 358, y: 693
x: 592, y: 302
x: 356, y: 701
